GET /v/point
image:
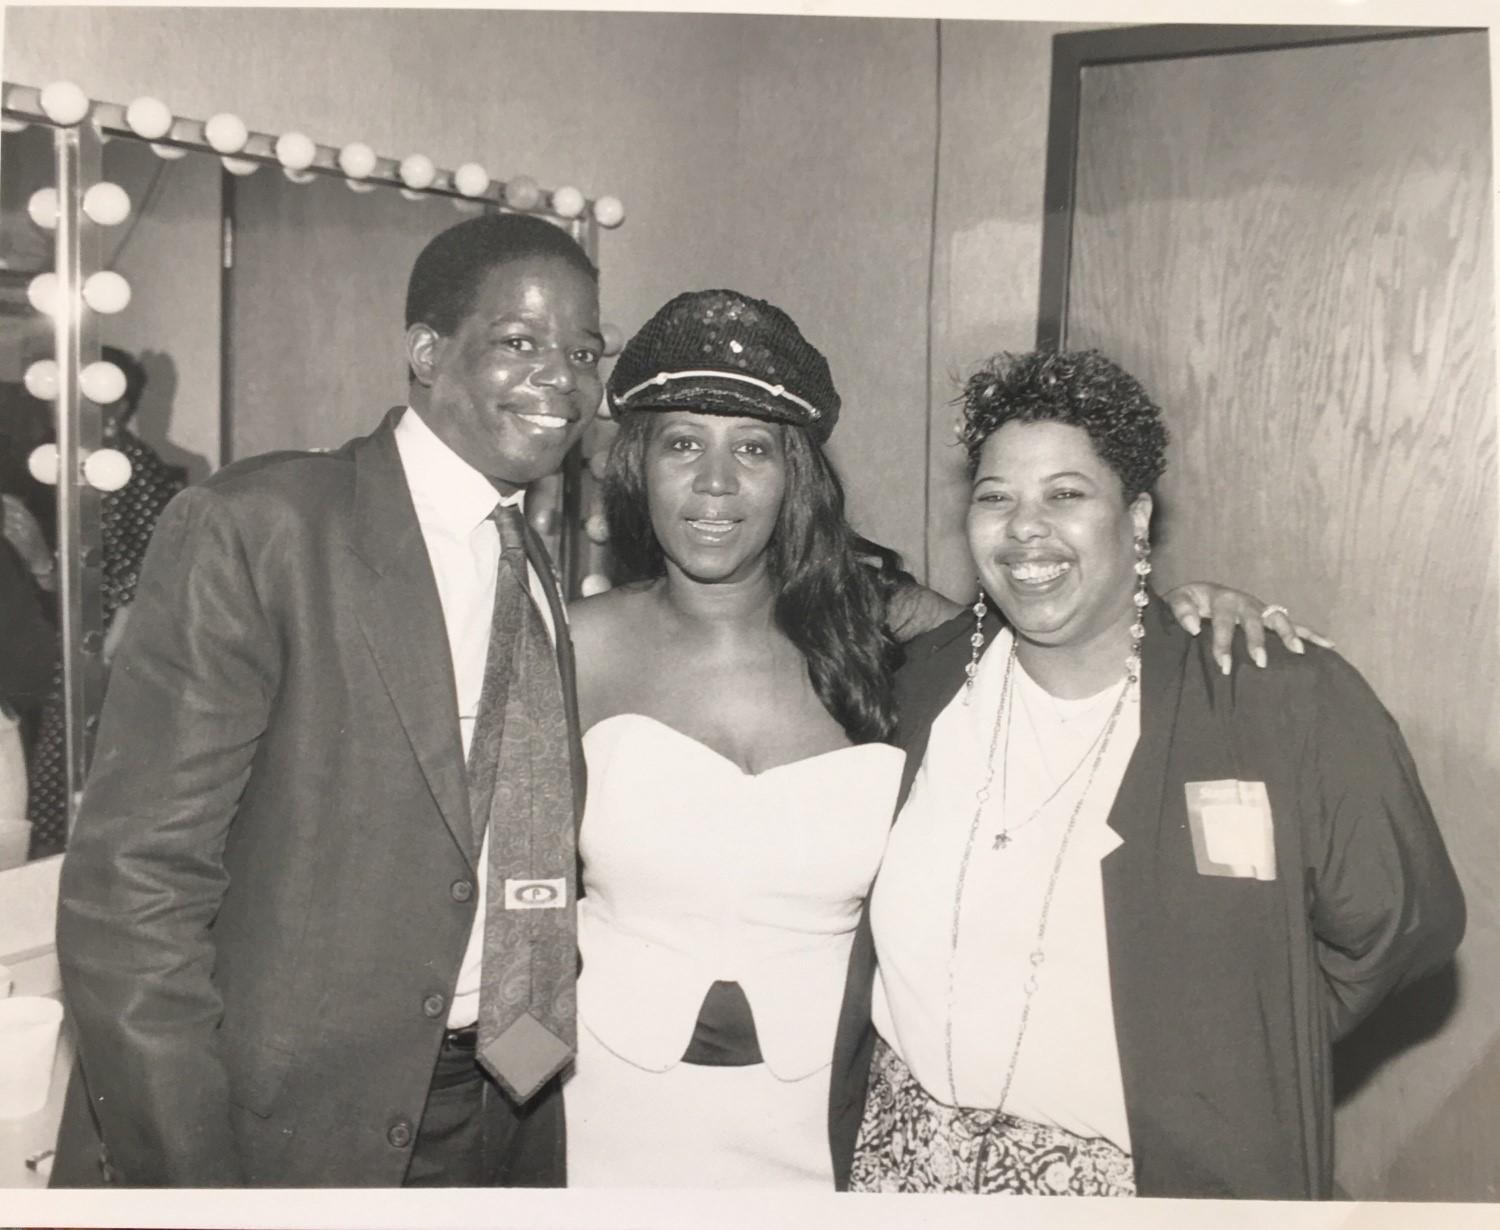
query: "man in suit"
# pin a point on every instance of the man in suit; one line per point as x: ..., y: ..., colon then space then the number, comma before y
x: 273, y: 914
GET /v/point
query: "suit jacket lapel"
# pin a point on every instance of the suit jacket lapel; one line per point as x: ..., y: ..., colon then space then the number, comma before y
x: 402, y: 620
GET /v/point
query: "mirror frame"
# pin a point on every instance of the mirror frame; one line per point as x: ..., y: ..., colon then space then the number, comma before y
x: 77, y: 166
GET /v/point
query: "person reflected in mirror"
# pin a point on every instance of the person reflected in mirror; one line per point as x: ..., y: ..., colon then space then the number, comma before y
x: 739, y: 712
x: 127, y: 518
x: 316, y: 916
x: 1128, y: 903
x: 28, y: 650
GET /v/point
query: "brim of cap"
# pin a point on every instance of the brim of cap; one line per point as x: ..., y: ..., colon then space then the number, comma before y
x: 710, y: 396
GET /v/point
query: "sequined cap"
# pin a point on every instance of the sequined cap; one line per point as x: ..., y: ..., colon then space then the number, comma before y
x: 724, y: 352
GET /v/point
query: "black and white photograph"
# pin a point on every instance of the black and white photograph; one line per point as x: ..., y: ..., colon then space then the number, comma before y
x: 749, y: 615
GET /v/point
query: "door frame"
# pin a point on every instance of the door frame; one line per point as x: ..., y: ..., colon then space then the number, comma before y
x: 1072, y: 53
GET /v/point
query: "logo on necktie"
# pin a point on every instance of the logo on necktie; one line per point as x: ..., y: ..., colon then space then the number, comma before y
x: 536, y: 894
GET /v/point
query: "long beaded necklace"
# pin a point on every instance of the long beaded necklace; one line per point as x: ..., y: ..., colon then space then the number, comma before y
x: 1038, y: 954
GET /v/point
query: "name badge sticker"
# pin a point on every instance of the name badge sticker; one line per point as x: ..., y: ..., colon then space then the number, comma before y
x: 536, y: 894
x: 1232, y: 832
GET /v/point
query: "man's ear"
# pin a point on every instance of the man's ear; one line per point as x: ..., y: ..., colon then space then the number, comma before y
x: 422, y: 342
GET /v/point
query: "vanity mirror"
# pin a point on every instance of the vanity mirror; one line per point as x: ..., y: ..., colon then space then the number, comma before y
x: 171, y: 293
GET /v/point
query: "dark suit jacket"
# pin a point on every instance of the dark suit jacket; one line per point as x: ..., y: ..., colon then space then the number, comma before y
x: 1228, y: 992
x: 271, y: 883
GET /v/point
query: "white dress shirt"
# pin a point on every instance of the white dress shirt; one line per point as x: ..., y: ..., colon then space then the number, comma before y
x: 453, y: 502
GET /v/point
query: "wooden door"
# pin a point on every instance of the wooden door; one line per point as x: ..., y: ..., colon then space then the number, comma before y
x: 1292, y: 248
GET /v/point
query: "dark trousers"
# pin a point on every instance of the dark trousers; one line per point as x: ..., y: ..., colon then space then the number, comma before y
x: 473, y: 1135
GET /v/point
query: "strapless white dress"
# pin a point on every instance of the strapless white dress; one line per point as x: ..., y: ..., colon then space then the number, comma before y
x: 695, y: 871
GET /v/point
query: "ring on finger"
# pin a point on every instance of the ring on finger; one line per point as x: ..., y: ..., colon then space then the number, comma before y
x: 1275, y: 609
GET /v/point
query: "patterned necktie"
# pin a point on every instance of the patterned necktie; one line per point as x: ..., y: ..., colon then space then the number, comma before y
x: 521, y: 790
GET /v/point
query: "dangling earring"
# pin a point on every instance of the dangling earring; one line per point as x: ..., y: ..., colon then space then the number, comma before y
x: 1141, y: 599
x: 976, y: 643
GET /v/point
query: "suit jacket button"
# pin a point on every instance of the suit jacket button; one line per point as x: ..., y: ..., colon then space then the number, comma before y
x: 433, y: 1005
x: 462, y: 890
x: 399, y: 1134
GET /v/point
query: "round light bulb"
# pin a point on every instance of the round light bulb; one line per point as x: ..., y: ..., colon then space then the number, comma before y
x: 102, y: 382
x: 64, y: 103
x: 594, y: 583
x: 543, y: 520
x: 471, y: 179
x: 106, y: 292
x: 44, y: 293
x: 567, y: 202
x: 522, y: 192
x: 226, y: 133
x: 42, y: 206
x: 360, y: 185
x: 608, y: 211
x: 466, y: 205
x: 411, y: 194
x: 41, y: 379
x: 149, y: 118
x: 9, y: 125
x: 597, y: 528
x: 299, y: 177
x: 43, y: 464
x: 417, y: 171
x: 171, y: 153
x: 295, y: 151
x: 356, y: 160
x: 240, y: 166
x: 613, y: 338
x: 106, y: 469
x: 107, y: 204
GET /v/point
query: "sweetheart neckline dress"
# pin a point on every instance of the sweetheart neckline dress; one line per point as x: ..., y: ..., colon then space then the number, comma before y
x: 695, y: 871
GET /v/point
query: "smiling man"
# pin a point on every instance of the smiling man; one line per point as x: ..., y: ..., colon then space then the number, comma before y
x: 317, y: 914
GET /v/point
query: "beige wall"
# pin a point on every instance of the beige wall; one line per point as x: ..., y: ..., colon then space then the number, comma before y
x: 788, y: 157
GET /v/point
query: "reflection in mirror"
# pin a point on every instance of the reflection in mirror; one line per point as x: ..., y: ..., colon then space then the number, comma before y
x: 30, y: 666
x: 256, y: 313
x: 165, y: 424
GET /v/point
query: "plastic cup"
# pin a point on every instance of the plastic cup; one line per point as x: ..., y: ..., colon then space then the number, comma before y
x: 29, y: 1026
x: 15, y: 842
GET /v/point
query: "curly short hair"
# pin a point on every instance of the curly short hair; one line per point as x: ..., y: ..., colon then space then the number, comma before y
x: 1081, y: 388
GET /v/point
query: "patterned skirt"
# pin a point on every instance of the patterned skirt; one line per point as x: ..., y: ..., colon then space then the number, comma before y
x: 911, y: 1142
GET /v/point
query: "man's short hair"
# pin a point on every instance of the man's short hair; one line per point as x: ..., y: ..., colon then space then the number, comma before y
x: 446, y: 277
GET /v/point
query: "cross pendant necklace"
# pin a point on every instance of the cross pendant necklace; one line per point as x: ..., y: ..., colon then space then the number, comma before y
x: 1003, y: 837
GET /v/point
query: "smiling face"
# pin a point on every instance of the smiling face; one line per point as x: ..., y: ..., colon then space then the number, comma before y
x: 516, y: 383
x: 714, y: 485
x: 1052, y: 535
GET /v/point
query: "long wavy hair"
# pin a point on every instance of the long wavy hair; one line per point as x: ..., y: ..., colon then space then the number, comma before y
x: 832, y: 587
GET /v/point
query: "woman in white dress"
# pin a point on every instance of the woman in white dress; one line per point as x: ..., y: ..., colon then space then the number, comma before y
x: 737, y: 704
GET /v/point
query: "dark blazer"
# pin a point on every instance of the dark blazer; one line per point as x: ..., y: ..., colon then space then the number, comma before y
x: 1228, y: 992
x: 271, y: 882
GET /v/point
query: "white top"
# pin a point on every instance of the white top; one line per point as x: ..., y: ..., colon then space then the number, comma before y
x: 1068, y: 1070
x: 453, y: 502
x: 696, y: 871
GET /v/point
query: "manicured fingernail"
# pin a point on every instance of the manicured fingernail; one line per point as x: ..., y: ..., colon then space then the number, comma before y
x: 1223, y: 661
x: 1298, y: 646
x: 1194, y: 626
x: 1259, y: 655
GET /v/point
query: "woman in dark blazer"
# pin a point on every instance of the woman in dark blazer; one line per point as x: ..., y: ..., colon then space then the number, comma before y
x: 1129, y: 902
